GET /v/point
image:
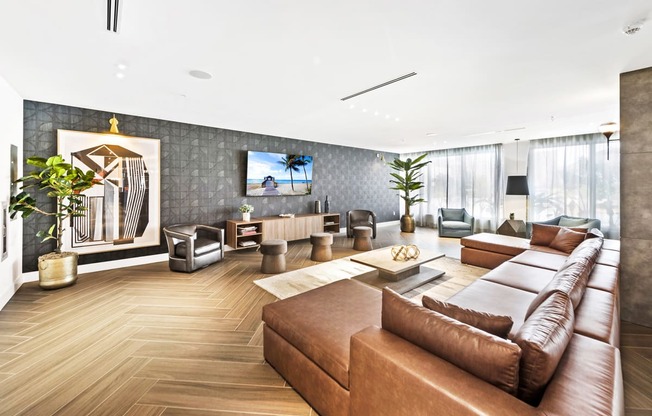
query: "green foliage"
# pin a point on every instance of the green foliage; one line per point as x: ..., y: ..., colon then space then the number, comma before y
x: 406, y: 179
x: 60, y: 180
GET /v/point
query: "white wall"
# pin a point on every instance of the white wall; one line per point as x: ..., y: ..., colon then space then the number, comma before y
x: 515, y: 203
x: 11, y: 132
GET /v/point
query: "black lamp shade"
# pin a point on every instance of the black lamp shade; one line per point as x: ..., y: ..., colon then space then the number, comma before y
x: 517, y: 185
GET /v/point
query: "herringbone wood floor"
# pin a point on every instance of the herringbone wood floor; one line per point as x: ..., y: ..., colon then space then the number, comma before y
x: 146, y: 341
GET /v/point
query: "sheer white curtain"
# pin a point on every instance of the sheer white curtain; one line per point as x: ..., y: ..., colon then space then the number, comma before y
x: 468, y: 178
x: 571, y: 175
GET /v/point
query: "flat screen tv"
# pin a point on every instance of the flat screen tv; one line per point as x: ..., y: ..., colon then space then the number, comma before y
x: 278, y: 174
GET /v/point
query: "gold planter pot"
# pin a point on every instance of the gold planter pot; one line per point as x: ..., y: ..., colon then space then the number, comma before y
x: 57, y: 270
x: 407, y: 224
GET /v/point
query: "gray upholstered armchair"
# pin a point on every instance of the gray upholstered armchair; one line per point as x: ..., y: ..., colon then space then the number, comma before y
x: 454, y: 222
x: 360, y: 218
x: 188, y: 251
x: 566, y: 221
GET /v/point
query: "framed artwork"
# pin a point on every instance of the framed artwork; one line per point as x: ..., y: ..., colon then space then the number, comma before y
x: 4, y: 249
x: 13, y: 170
x: 124, y: 212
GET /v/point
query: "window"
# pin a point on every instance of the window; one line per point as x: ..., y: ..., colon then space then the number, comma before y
x: 572, y: 176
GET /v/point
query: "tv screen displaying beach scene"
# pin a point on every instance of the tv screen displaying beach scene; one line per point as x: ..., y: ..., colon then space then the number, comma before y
x: 278, y: 174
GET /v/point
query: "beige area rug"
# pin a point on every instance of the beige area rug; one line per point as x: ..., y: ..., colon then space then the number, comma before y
x: 456, y: 277
x: 298, y: 281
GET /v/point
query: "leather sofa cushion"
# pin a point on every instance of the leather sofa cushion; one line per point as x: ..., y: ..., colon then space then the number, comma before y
x: 571, y: 280
x: 496, y: 243
x: 498, y: 325
x: 540, y: 259
x: 456, y: 225
x: 609, y: 258
x: 520, y: 276
x: 320, y: 322
x: 604, y: 278
x: 567, y: 240
x: 486, y: 356
x: 611, y: 244
x: 588, y: 381
x: 543, y: 338
x: 496, y: 299
x: 202, y: 246
x: 543, y: 234
x: 595, y: 316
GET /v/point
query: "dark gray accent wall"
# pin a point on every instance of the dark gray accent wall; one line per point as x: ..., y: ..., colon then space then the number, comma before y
x: 636, y: 195
x: 203, y: 172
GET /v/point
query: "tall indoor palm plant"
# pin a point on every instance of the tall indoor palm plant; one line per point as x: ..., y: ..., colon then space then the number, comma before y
x: 406, y: 181
x: 65, y: 183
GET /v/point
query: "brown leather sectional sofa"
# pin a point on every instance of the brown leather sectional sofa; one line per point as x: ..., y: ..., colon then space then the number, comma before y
x: 334, y: 347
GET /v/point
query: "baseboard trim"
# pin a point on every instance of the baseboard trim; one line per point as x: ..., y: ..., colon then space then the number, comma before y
x: 107, y: 265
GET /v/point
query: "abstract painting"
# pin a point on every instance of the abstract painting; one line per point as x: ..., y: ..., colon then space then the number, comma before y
x: 4, y: 243
x: 124, y: 212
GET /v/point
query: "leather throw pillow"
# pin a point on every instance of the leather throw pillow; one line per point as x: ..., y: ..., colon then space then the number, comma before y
x: 488, y: 357
x: 566, y: 240
x: 498, y: 325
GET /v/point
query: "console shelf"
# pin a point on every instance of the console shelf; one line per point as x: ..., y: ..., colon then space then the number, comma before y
x: 288, y: 229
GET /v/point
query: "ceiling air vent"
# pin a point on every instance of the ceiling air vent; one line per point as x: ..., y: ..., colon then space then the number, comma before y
x: 384, y: 84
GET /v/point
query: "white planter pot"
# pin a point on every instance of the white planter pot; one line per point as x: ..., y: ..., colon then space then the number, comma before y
x: 246, y: 216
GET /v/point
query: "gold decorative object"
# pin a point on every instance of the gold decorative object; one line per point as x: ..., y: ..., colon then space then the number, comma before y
x: 405, y: 253
x: 114, y: 125
x: 57, y: 270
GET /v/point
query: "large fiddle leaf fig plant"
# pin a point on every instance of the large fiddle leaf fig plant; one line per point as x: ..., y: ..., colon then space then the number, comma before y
x: 63, y: 182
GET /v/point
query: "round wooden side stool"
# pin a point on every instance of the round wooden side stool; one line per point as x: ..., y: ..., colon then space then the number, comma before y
x: 273, y: 256
x: 321, y: 246
x: 362, y: 238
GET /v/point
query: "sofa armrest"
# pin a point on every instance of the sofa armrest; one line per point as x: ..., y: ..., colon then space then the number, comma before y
x: 469, y: 219
x: 391, y: 376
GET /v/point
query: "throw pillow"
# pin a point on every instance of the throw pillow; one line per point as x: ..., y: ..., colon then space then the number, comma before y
x: 543, y: 234
x: 570, y: 280
x: 566, y: 240
x: 498, y: 325
x: 543, y: 338
x: 594, y: 233
x: 572, y: 222
x: 488, y: 357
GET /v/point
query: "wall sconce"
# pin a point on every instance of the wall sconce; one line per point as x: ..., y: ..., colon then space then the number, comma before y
x: 608, y: 129
x: 380, y: 156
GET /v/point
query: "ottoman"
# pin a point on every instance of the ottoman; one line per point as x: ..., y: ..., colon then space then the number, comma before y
x: 307, y: 337
x: 273, y: 256
x: 321, y: 246
x: 362, y: 238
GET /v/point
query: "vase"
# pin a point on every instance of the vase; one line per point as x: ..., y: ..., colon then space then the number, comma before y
x: 407, y: 224
x: 57, y: 270
x: 317, y: 207
x: 327, y: 205
x: 246, y: 216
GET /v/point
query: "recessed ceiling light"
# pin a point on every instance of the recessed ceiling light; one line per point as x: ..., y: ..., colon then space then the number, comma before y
x: 397, y: 119
x: 195, y: 73
x: 364, y: 110
x: 376, y: 113
x: 352, y: 106
x: 121, y: 67
x: 119, y: 75
x: 386, y: 115
x: 431, y: 134
x: 634, y: 28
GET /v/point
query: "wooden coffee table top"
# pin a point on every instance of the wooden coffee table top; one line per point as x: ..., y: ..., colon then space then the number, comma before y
x: 382, y: 259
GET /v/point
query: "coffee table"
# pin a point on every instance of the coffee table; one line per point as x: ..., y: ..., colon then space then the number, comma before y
x: 400, y: 276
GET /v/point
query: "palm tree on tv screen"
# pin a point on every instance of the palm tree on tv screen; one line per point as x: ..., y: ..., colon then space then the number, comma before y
x: 290, y: 163
x: 303, y: 162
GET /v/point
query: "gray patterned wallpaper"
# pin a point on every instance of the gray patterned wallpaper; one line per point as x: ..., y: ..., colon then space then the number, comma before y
x: 203, y: 172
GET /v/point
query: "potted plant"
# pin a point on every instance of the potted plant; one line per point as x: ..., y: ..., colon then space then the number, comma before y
x: 65, y: 183
x: 406, y: 181
x: 246, y: 210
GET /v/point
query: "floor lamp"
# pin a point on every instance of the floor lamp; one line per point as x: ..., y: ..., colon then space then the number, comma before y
x: 517, y: 184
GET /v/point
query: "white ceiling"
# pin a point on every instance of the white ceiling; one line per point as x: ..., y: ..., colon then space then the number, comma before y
x: 281, y: 67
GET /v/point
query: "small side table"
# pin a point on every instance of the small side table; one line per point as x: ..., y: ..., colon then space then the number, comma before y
x: 514, y: 228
